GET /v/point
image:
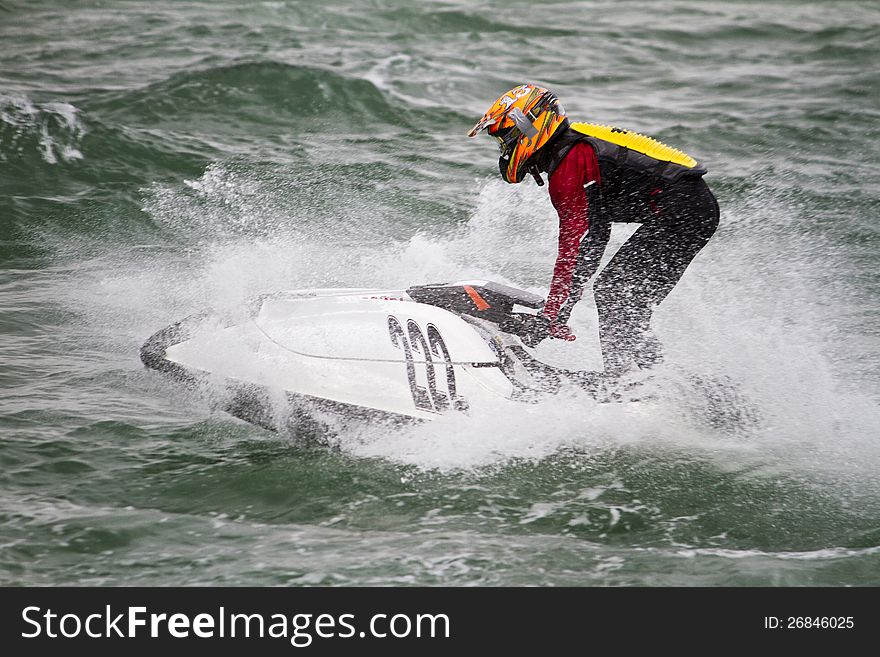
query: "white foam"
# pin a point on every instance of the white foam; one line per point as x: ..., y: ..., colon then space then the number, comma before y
x: 741, y: 313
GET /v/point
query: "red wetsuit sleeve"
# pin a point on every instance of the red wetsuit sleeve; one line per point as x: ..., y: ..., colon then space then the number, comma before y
x: 577, y: 168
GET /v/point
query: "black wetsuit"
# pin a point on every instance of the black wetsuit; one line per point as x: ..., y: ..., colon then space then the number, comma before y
x: 677, y: 217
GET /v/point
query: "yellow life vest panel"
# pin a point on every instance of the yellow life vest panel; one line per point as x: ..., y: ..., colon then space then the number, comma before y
x: 636, y: 142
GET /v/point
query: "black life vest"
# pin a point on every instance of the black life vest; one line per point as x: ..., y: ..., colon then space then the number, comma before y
x: 623, y: 151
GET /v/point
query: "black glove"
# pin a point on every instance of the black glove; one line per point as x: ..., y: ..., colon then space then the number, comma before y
x: 531, y: 329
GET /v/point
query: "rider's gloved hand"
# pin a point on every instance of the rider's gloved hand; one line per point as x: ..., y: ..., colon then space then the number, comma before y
x: 535, y: 328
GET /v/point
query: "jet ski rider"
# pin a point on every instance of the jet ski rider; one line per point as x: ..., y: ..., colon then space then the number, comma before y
x: 599, y: 175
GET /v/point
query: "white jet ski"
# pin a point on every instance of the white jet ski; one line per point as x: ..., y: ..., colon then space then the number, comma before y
x: 400, y: 354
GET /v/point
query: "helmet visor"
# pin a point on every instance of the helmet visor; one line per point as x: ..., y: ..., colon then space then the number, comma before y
x: 489, y: 118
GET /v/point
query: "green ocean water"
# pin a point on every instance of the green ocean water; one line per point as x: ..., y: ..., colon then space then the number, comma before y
x: 159, y: 158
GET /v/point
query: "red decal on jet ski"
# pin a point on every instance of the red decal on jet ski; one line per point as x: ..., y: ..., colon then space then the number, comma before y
x: 479, y: 301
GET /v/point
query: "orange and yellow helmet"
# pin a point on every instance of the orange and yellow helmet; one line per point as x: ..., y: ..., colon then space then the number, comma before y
x: 522, y: 120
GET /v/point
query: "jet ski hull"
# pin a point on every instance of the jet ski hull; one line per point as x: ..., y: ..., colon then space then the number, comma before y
x: 370, y: 354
